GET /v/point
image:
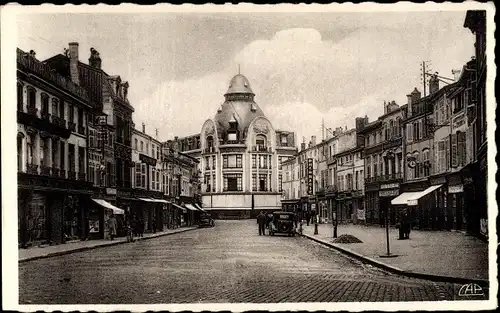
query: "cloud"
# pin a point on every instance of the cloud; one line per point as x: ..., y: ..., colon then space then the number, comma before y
x: 299, y: 78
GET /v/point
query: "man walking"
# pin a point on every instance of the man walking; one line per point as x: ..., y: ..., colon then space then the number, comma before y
x: 112, y: 226
x: 261, y: 221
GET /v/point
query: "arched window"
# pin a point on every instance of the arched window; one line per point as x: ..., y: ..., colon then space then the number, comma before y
x: 210, y: 142
x: 20, y: 97
x: 135, y: 143
x: 386, y: 132
x: 260, y: 142
x: 55, y: 107
x: 31, y: 99
x: 45, y: 104
x: 392, y: 131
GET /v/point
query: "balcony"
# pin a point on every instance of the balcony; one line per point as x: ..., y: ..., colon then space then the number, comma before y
x: 45, y: 116
x: 209, y: 150
x: 72, y: 126
x: 32, y: 110
x: 55, y: 172
x: 72, y: 175
x: 45, y: 170
x: 81, y: 176
x: 58, y: 121
x: 32, y: 168
x: 81, y: 130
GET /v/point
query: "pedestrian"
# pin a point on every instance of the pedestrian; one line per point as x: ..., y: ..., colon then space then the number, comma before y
x: 112, y: 226
x: 153, y: 224
x: 141, y: 227
x: 307, y: 218
x: 133, y: 225
x: 261, y: 221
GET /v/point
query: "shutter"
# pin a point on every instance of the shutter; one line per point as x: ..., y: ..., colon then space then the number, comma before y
x: 409, y: 132
x: 446, y: 154
x: 461, y: 149
x: 455, y: 158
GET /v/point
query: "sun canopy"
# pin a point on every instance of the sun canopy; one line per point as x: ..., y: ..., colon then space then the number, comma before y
x: 191, y: 207
x: 179, y: 207
x: 414, y: 199
x: 403, y: 198
x: 109, y: 206
x: 198, y: 207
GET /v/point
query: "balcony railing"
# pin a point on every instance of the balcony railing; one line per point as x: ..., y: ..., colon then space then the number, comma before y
x: 45, y: 116
x: 45, y: 170
x: 72, y: 126
x: 32, y: 168
x: 58, y: 121
x: 55, y: 172
x: 72, y: 175
x: 32, y: 110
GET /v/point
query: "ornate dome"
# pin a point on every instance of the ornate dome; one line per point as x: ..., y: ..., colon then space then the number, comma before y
x: 239, y: 105
x: 239, y: 84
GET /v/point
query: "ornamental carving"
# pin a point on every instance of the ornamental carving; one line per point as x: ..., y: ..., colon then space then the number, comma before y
x: 210, y: 131
x: 261, y: 127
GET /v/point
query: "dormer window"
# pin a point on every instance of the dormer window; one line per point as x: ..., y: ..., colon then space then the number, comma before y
x: 284, y: 140
x: 260, y: 142
x: 232, y: 137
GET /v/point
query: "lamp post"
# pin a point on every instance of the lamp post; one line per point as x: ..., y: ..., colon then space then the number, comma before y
x: 390, y: 156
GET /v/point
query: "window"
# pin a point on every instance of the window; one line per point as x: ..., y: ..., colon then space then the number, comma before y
x: 81, y: 160
x: 31, y: 97
x: 440, y: 156
x: 280, y: 182
x: 461, y: 149
x: 19, y: 153
x: 214, y: 163
x: 147, y: 148
x: 232, y: 137
x: 62, y: 155
x: 20, y: 97
x: 454, y: 150
x: 254, y: 182
x: 157, y: 179
x: 232, y: 161
x: 142, y: 146
x: 210, y: 142
x: 81, y: 123
x: 71, y: 157
x: 254, y: 161
x: 135, y: 143
x: 207, y: 163
x: 138, y: 175
x: 270, y: 162
x: 368, y: 166
x: 262, y: 182
x: 233, y: 182
x: 280, y: 159
x: 61, y: 109
x: 153, y: 178
x: 45, y: 103
x: 425, y: 159
x: 71, y: 111
x: 409, y: 132
x: 207, y: 182
x: 158, y: 152
x: 262, y: 161
x: 260, y: 142
x: 357, y: 180
x: 284, y: 140
x: 55, y: 107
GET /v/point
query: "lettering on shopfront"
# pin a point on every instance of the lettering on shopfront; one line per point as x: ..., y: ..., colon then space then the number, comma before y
x: 388, y: 193
x: 389, y: 186
x: 456, y: 189
x: 310, y: 177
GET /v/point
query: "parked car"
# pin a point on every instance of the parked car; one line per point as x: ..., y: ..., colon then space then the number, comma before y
x: 283, y: 222
x: 206, y: 220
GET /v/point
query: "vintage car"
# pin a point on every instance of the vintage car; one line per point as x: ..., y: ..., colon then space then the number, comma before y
x: 206, y: 220
x: 283, y: 222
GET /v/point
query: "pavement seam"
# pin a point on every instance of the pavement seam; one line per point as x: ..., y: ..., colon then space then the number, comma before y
x: 393, y: 269
x: 110, y: 244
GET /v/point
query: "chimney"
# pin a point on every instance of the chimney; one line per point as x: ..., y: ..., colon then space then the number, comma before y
x: 360, y: 123
x: 415, y: 95
x: 408, y: 96
x: 303, y: 146
x: 433, y: 84
x: 95, y: 59
x: 73, y: 62
x: 313, y: 140
x: 143, y: 128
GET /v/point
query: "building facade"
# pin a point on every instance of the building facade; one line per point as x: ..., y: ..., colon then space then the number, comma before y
x: 240, y: 153
x: 476, y: 173
x: 53, y: 186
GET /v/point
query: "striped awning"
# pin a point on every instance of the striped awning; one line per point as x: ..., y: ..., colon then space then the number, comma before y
x: 179, y: 207
x: 191, y: 207
x: 109, y: 206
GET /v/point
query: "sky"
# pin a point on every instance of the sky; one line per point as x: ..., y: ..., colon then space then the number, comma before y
x: 303, y: 67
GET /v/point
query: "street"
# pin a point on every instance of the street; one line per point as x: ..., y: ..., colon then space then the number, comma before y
x: 227, y: 263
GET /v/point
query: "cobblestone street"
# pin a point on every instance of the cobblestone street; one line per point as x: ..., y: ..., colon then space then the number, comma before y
x: 227, y: 263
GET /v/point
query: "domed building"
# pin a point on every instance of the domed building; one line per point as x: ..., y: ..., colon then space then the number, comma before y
x: 240, y: 156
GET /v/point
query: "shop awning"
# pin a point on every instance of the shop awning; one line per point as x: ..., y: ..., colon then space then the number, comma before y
x: 179, y: 207
x: 414, y: 199
x: 191, y: 207
x: 199, y: 208
x: 160, y: 201
x: 403, y: 198
x: 109, y: 206
x: 147, y: 199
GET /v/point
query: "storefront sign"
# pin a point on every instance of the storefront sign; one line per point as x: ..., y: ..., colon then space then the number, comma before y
x: 147, y: 159
x: 123, y: 194
x: 412, y: 202
x: 111, y: 191
x: 456, y: 189
x: 389, y: 186
x: 361, y: 215
x: 310, y: 176
x: 388, y: 193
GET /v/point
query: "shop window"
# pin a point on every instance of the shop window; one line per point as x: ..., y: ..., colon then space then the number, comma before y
x: 36, y: 219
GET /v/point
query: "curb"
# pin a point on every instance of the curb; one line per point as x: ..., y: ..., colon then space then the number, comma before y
x: 396, y: 270
x: 107, y: 244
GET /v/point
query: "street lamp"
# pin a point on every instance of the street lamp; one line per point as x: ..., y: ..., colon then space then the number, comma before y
x: 390, y: 156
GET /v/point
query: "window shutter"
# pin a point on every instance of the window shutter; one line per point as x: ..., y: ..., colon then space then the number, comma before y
x: 409, y: 131
x: 446, y: 154
x: 461, y: 149
x: 455, y: 158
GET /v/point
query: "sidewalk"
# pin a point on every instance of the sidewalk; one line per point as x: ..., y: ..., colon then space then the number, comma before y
x: 441, y: 255
x: 50, y: 251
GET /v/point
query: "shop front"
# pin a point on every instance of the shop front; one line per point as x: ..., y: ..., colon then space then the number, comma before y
x: 358, y: 210
x: 371, y: 202
x: 101, y: 211
x: 345, y: 207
